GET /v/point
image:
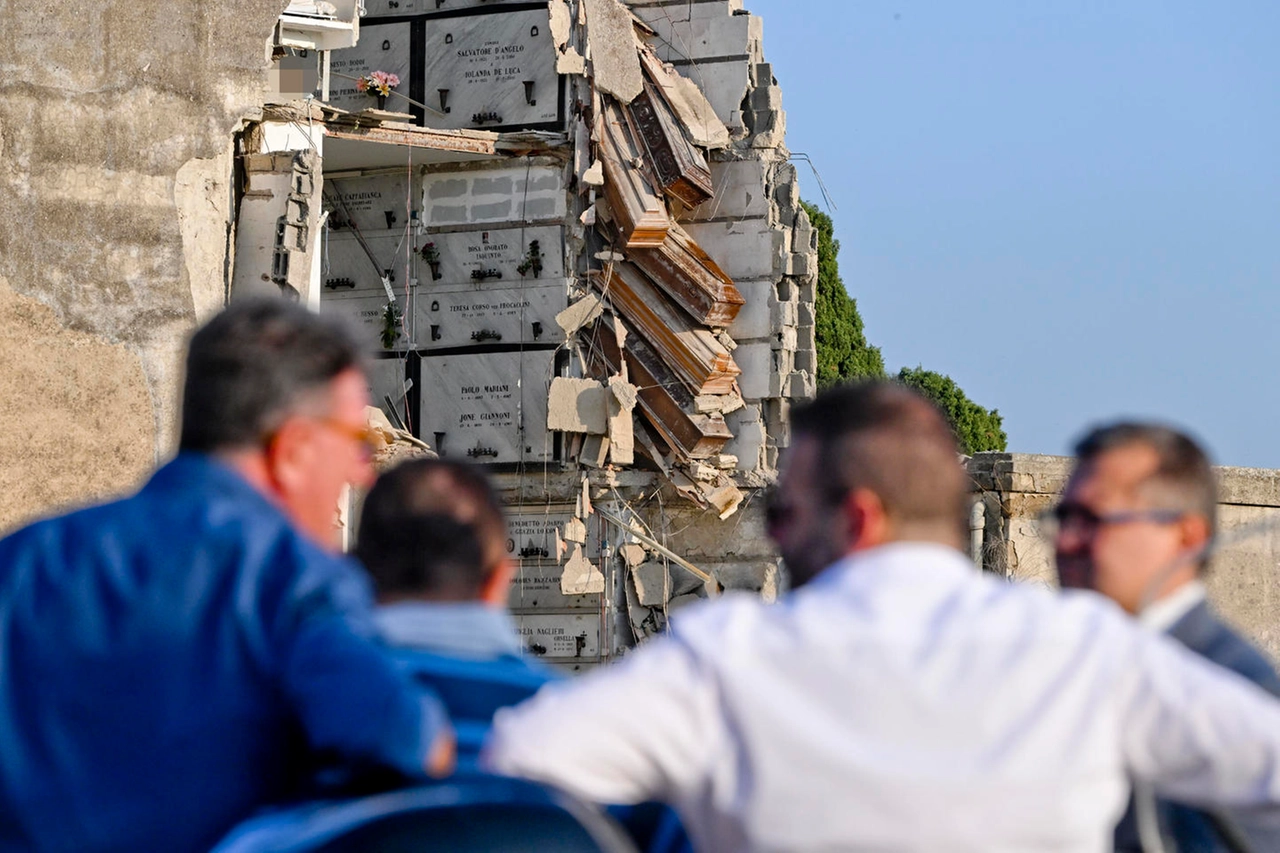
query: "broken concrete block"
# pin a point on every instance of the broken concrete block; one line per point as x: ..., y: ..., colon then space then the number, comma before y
x: 595, y: 451
x: 580, y: 575
x: 615, y: 65
x: 622, y: 402
x: 724, y: 496
x: 571, y: 62
x: 632, y: 554
x: 652, y: 584
x: 561, y: 22
x: 578, y: 405
x: 704, y: 472
x: 575, y: 531
x: 725, y: 461
x: 683, y: 601
x: 594, y: 176
x: 580, y: 313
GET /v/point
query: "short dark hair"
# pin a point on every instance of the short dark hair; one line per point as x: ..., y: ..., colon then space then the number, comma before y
x: 432, y: 528
x: 1183, y: 479
x: 254, y: 364
x: 887, y: 438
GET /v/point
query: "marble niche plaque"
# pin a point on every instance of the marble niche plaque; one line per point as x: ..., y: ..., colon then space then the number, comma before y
x: 489, y: 407
x: 394, y: 8
x: 382, y: 47
x: 375, y: 204
x: 497, y: 255
x: 562, y: 637
x: 470, y: 315
x: 532, y: 541
x: 491, y: 70
x: 351, y: 286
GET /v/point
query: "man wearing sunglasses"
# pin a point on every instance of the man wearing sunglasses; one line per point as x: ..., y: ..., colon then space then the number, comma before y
x: 897, y: 699
x: 173, y: 660
x: 1134, y: 523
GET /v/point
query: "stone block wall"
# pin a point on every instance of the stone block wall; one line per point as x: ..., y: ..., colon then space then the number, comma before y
x: 1243, y: 577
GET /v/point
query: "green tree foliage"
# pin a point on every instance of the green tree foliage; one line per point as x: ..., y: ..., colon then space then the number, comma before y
x: 976, y: 428
x: 843, y: 352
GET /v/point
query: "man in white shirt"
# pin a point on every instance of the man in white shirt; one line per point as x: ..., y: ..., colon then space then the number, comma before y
x: 897, y: 700
x: 1133, y: 524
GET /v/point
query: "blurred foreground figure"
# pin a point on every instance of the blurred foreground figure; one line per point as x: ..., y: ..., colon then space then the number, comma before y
x: 898, y: 700
x: 1140, y: 508
x: 170, y: 661
x: 433, y: 536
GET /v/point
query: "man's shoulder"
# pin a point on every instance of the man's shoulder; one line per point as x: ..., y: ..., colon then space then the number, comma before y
x: 1203, y: 631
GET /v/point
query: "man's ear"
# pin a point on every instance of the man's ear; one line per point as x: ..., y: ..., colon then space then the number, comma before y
x: 497, y: 587
x: 286, y: 457
x: 1193, y: 531
x: 868, y: 524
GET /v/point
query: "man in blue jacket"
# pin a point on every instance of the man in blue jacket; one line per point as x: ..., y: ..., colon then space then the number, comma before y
x: 173, y: 660
x: 433, y: 536
x: 1142, y: 500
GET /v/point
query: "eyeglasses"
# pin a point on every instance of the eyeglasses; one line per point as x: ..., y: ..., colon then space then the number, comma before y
x: 1084, y: 520
x: 362, y: 435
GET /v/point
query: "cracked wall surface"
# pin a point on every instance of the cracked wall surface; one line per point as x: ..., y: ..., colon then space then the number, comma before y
x: 115, y: 133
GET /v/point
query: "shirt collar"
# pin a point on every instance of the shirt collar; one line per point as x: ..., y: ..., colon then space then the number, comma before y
x: 461, y: 629
x: 1164, y: 613
x: 898, y: 560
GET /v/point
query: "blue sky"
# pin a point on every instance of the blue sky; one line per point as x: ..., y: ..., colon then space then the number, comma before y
x: 1071, y: 208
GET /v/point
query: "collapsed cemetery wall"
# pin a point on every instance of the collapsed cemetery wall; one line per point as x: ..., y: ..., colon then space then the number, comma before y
x: 116, y: 121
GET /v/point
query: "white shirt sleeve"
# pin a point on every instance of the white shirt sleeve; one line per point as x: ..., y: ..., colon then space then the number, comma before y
x: 641, y: 729
x: 1198, y: 733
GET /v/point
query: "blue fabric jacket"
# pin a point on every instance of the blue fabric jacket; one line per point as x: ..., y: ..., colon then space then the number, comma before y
x: 168, y: 661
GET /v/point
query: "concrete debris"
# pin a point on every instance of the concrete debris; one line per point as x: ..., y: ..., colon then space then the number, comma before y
x: 580, y: 575
x: 561, y: 22
x: 622, y: 402
x: 632, y: 554
x: 578, y: 405
x: 691, y: 106
x: 723, y: 404
x: 702, y: 471
x: 723, y: 496
x: 584, y: 500
x: 594, y: 176
x: 562, y: 547
x: 610, y: 257
x: 575, y: 531
x: 580, y: 313
x: 615, y: 65
x: 392, y: 446
x: 588, y: 216
x: 595, y: 451
x: 683, y: 601
x: 725, y: 461
x: 571, y: 62
x: 652, y: 584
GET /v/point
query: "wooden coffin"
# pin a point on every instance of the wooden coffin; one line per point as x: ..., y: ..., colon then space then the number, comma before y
x: 637, y: 205
x: 664, y: 401
x: 679, y: 167
x: 691, y: 278
x: 694, y: 354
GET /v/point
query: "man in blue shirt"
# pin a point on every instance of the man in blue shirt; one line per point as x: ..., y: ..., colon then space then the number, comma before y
x: 433, y: 537
x: 171, y: 661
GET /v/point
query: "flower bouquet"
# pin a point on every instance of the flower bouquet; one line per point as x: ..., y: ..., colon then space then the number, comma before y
x: 379, y: 84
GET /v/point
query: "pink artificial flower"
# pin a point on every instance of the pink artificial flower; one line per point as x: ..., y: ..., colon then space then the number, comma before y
x: 362, y: 85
